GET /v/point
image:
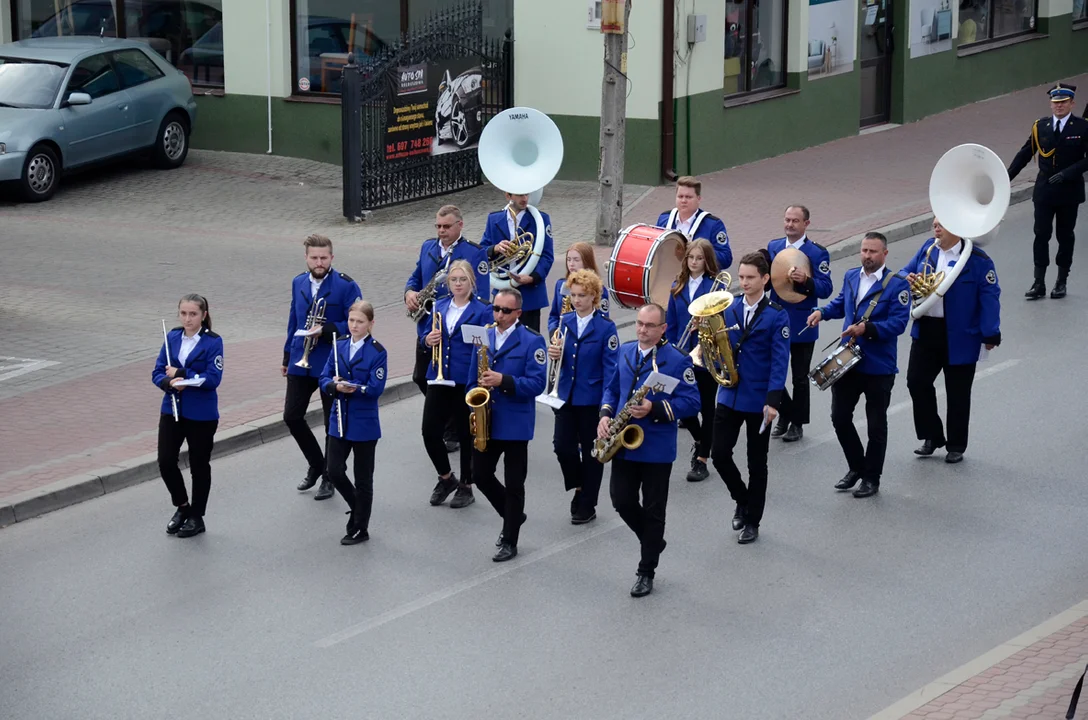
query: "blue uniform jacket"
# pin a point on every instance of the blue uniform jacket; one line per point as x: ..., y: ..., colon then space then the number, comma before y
x: 523, y: 362
x: 456, y: 353
x: 557, y: 305
x: 205, y: 361
x: 659, y: 443
x: 368, y: 368
x: 762, y: 354
x: 972, y: 305
x: 677, y: 317
x: 818, y: 286
x: 429, y: 262
x: 886, y: 323
x: 535, y: 296
x: 588, y: 360
x: 339, y: 292
x: 709, y: 228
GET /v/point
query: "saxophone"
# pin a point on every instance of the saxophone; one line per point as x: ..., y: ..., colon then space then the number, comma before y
x: 620, y: 433
x: 478, y: 399
x: 427, y: 295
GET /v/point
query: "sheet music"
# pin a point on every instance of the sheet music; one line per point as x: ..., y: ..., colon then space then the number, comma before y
x: 474, y: 334
x: 661, y: 383
x: 195, y: 381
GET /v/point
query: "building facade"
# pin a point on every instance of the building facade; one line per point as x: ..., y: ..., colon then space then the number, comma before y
x: 712, y: 84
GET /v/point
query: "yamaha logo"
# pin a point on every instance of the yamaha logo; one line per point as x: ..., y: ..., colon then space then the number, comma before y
x: 518, y: 116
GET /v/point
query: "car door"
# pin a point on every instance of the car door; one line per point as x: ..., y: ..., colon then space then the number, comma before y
x: 141, y: 78
x: 102, y: 128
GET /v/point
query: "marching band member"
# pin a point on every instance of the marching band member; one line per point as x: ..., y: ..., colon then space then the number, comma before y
x: 875, y: 306
x: 794, y: 413
x: 192, y: 354
x: 761, y: 351
x: 693, y: 221
x: 579, y: 256
x: 949, y: 337
x: 446, y: 403
x: 334, y: 292
x: 647, y: 468
x: 502, y: 227
x: 695, y: 279
x: 588, y: 359
x: 517, y: 357
x: 1061, y: 140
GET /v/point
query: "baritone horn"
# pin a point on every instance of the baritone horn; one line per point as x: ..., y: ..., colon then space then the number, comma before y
x: 721, y: 282
x: 715, y: 351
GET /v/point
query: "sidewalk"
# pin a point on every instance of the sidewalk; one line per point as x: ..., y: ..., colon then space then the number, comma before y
x: 851, y: 185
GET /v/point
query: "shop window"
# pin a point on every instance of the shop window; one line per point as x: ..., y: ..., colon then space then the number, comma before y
x: 1080, y: 9
x: 992, y: 19
x: 755, y: 45
x: 188, y: 33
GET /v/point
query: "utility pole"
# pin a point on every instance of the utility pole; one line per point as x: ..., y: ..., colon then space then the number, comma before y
x: 613, y: 119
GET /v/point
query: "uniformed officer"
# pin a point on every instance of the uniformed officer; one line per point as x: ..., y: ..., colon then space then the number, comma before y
x: 518, y: 357
x: 693, y: 221
x: 761, y: 350
x: 949, y: 338
x: 502, y: 226
x: 794, y: 413
x: 1061, y: 141
x: 588, y: 359
x: 579, y: 256
x: 875, y: 305
x: 335, y: 291
x: 354, y: 426
x: 196, y: 359
x: 445, y: 403
x: 646, y: 469
x: 694, y: 280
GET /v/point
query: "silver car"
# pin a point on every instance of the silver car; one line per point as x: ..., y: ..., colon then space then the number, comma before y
x: 69, y: 102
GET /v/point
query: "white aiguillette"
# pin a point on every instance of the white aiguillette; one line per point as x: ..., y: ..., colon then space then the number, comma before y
x: 474, y: 334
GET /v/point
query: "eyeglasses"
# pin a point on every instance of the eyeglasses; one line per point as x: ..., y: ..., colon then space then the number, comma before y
x: 447, y: 226
x: 648, y: 326
x: 504, y: 310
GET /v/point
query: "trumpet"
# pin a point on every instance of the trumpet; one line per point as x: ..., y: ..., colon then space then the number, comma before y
x: 315, y: 317
x: 478, y: 399
x: 436, y: 351
x: 559, y: 338
x: 721, y: 282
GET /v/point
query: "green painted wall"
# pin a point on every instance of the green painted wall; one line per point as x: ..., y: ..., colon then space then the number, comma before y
x: 581, y: 148
x: 239, y: 123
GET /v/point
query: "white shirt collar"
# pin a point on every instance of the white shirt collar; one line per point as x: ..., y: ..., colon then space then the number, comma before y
x: 354, y: 346
x: 1059, y: 123
x: 187, y: 345
x: 878, y: 274
x: 501, y: 336
x: 444, y: 251
x: 797, y: 244
x: 583, y: 322
x: 693, y: 284
x: 513, y: 223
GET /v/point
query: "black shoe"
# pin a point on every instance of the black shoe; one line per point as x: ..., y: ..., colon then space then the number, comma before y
x: 795, y: 433
x: 698, y: 471
x: 355, y: 537
x: 452, y: 446
x: 325, y: 491
x: 177, y: 521
x: 1038, y: 288
x: 738, y: 518
x: 310, y: 480
x: 780, y: 428
x: 748, y: 534
x: 1059, y: 285
x: 866, y: 489
x: 192, y: 526
x: 581, y: 518
x: 953, y: 457
x: 506, y: 552
x: 443, y: 489
x: 848, y: 481
x: 643, y: 586
x: 463, y: 497
x: 929, y: 447
x: 499, y: 543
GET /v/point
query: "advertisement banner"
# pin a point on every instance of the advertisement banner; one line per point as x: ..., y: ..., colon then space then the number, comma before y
x: 435, y: 108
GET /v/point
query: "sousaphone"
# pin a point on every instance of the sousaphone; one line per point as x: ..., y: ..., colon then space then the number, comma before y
x: 784, y: 263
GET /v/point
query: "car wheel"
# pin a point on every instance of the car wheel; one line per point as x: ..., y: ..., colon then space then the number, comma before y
x: 437, y: 130
x: 459, y: 125
x: 41, y: 174
x: 171, y: 142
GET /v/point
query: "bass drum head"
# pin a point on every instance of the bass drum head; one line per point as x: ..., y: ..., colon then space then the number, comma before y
x: 665, y: 262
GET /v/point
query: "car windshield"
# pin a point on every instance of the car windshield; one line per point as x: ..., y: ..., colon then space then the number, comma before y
x: 26, y: 84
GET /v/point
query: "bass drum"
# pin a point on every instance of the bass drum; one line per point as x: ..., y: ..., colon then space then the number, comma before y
x: 644, y: 265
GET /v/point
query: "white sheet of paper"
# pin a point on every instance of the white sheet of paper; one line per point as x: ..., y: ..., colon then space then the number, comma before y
x: 348, y: 383
x: 545, y: 399
x: 474, y: 334
x: 983, y: 354
x: 765, y: 424
x: 306, y: 333
x: 662, y: 383
x: 443, y: 383
x: 190, y: 382
x: 870, y: 15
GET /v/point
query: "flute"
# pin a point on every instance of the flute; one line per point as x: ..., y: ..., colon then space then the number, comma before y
x: 336, y: 372
x: 166, y: 347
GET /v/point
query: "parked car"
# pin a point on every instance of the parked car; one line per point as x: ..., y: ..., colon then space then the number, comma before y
x: 71, y: 102
x: 458, y: 114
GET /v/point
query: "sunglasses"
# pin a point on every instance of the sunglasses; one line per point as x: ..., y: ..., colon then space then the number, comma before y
x: 504, y: 310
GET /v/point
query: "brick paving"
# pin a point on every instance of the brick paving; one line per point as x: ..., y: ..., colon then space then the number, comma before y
x: 92, y: 272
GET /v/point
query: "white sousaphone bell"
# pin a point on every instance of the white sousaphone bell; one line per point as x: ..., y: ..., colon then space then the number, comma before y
x: 969, y: 192
x: 520, y: 151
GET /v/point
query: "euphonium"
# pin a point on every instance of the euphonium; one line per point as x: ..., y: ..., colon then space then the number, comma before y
x: 558, y: 339
x: 620, y: 432
x: 714, y: 346
x: 721, y: 282
x: 315, y: 317
x: 478, y: 399
x: 436, y: 351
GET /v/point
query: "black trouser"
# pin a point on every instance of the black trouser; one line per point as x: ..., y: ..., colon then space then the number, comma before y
x: 531, y: 318
x: 300, y: 388
x: 575, y: 432
x: 795, y: 409
x: 703, y: 432
x: 928, y: 358
x: 442, y: 405
x: 419, y: 372
x: 361, y: 497
x: 727, y: 424
x: 647, y: 519
x: 508, y: 501
x: 845, y: 393
x: 201, y: 437
x: 1046, y: 217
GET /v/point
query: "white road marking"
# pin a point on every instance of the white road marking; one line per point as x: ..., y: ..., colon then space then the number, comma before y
x: 14, y: 367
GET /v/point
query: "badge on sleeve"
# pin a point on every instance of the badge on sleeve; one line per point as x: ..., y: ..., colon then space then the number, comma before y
x: 604, y: 304
x: 722, y: 238
x: 991, y: 277
x: 613, y: 342
x: 786, y: 331
x: 689, y: 376
x: 481, y: 269
x: 904, y: 298
x: 548, y: 230
x: 825, y: 268
x: 380, y: 373
x: 219, y: 359
x: 540, y: 356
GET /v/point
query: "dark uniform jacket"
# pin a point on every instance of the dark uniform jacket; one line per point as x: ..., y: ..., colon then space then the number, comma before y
x: 1066, y: 154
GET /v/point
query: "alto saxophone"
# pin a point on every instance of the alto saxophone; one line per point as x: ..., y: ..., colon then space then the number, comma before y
x: 620, y: 432
x: 426, y: 297
x: 478, y: 399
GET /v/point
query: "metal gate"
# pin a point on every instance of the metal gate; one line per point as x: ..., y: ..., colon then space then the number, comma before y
x: 412, y: 113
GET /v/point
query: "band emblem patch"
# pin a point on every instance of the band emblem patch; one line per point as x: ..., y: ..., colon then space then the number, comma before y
x: 540, y: 356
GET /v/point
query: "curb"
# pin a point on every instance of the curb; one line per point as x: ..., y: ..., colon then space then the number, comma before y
x: 95, y: 483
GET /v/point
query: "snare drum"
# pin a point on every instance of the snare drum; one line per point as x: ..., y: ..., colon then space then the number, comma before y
x: 835, y: 366
x: 644, y: 265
